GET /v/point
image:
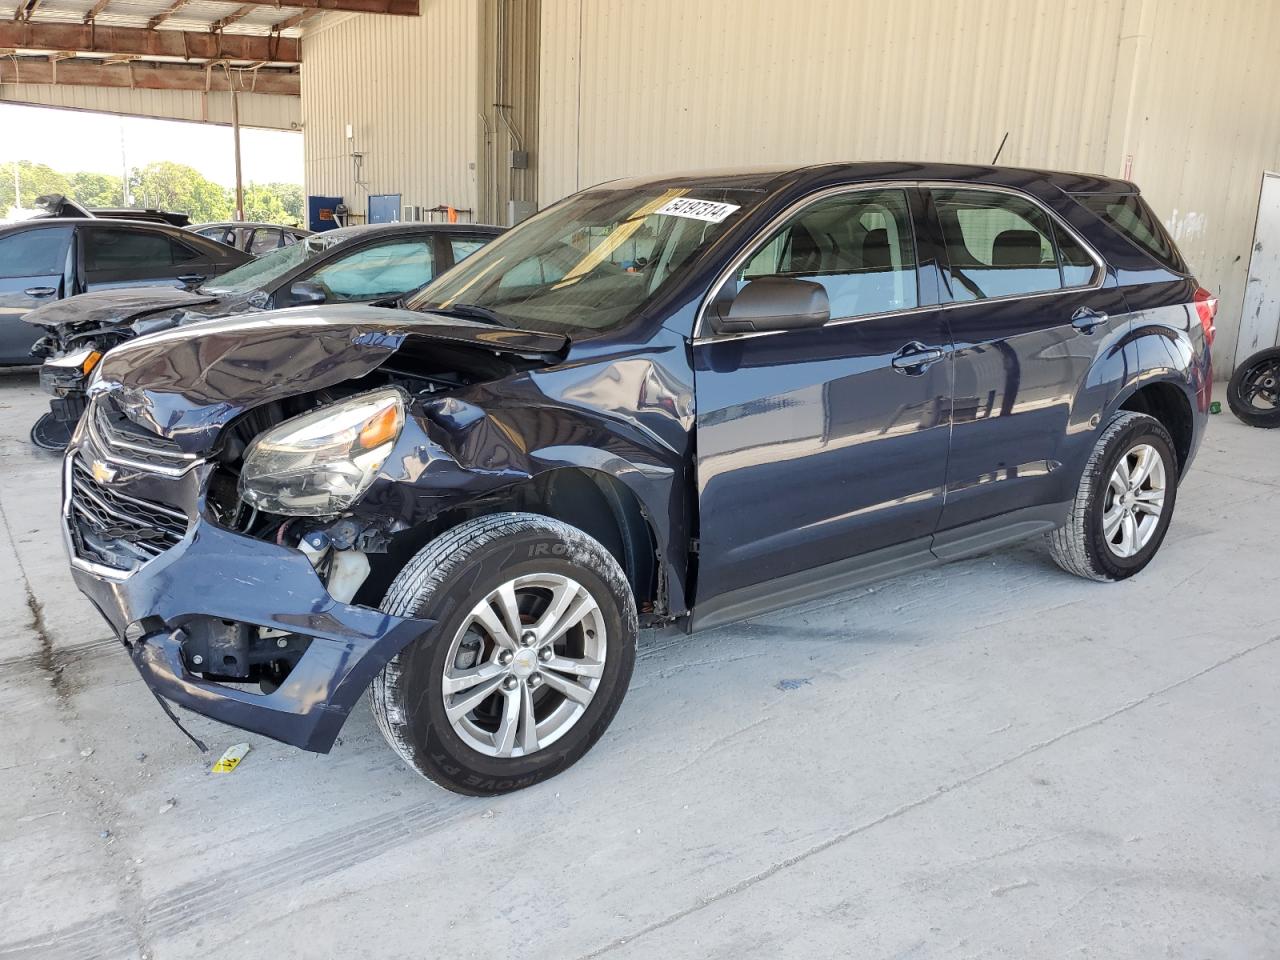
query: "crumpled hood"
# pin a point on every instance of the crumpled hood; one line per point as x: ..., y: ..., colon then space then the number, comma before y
x: 108, y: 308
x: 188, y: 382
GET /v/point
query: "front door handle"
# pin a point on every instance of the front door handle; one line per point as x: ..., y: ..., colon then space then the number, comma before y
x: 1086, y: 318
x: 914, y: 358
x: 40, y: 292
x: 191, y: 279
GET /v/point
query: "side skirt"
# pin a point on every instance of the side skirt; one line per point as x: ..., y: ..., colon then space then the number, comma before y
x: 832, y: 578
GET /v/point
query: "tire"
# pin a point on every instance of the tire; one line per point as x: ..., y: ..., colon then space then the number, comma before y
x: 1083, y: 545
x: 480, y: 753
x: 50, y: 433
x: 1254, y: 391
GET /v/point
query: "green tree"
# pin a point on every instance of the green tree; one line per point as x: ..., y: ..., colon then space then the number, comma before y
x: 97, y: 189
x: 177, y: 187
x: 34, y: 180
x: 273, y: 202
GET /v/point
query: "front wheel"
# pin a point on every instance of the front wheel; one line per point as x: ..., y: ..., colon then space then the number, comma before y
x: 1123, y: 503
x: 1254, y: 391
x: 530, y: 661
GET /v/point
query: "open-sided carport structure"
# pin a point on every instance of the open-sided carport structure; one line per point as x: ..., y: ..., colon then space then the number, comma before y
x: 180, y: 59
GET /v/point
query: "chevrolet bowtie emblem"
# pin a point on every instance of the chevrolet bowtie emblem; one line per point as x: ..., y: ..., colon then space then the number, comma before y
x: 103, y: 473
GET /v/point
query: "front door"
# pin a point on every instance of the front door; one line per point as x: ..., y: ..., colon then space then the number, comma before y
x: 822, y: 451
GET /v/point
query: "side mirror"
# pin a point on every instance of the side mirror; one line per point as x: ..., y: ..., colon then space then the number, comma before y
x: 303, y: 293
x: 776, y: 303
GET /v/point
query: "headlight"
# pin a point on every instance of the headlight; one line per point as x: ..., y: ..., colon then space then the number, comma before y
x: 320, y: 463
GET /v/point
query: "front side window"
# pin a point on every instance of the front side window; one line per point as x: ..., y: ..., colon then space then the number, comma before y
x: 1001, y: 245
x: 264, y: 241
x: 34, y: 253
x: 132, y: 250
x: 387, y: 270
x: 859, y: 246
x: 590, y: 262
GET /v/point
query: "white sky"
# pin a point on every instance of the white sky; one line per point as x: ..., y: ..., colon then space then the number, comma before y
x: 72, y: 140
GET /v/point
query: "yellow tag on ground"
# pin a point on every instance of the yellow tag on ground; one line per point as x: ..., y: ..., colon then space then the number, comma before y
x: 231, y: 758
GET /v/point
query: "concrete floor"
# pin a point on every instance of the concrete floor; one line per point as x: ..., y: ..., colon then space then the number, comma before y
x: 990, y: 759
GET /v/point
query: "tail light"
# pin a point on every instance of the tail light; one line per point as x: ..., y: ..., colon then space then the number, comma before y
x: 1207, y: 306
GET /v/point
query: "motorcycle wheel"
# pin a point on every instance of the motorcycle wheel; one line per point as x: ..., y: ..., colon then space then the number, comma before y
x: 49, y: 433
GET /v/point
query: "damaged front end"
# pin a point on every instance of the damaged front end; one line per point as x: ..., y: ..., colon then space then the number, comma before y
x: 227, y: 490
x: 76, y: 332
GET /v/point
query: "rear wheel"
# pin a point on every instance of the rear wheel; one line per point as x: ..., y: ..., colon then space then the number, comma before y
x: 1254, y: 391
x: 529, y: 663
x: 1123, y: 503
x: 50, y: 433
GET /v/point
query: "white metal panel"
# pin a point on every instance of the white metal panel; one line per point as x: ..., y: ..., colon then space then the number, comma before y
x: 1260, y: 318
x: 1179, y: 92
x: 256, y: 109
x: 409, y: 88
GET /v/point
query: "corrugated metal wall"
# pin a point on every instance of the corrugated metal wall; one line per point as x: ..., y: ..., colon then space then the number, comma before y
x: 1183, y: 87
x: 409, y: 88
x: 256, y: 109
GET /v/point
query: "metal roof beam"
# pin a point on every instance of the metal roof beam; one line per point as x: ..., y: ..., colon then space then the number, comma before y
x: 231, y: 18
x: 96, y: 9
x: 147, y: 76
x: 165, y: 14
x: 399, y: 8
x: 190, y: 45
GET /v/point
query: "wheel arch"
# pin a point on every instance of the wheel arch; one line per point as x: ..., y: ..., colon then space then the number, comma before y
x: 592, y: 500
x: 1166, y: 401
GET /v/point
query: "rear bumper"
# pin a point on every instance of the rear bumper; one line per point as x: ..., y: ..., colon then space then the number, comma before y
x: 216, y: 573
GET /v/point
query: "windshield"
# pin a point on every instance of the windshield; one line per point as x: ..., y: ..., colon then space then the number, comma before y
x: 588, y: 263
x: 264, y: 271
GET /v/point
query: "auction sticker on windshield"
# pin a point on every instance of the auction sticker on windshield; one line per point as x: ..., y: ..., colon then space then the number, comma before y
x: 708, y: 210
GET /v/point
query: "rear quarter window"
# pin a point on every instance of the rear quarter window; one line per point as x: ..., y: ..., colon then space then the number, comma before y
x: 1129, y: 215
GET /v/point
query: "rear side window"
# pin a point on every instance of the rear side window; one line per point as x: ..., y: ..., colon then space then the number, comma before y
x: 858, y: 245
x: 1001, y: 245
x: 464, y: 247
x: 1132, y: 218
x: 34, y: 253
x: 132, y: 250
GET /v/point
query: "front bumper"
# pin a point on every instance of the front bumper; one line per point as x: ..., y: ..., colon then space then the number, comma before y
x: 213, y: 572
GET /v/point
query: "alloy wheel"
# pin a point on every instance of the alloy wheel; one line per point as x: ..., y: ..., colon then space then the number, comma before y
x: 524, y: 665
x: 1134, y: 500
x: 1260, y: 387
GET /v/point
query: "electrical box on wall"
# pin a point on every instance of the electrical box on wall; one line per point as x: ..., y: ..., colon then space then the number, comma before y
x: 320, y: 213
x: 518, y: 210
x: 519, y: 159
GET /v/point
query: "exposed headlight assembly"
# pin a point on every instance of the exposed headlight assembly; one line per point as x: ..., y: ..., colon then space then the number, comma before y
x: 320, y: 463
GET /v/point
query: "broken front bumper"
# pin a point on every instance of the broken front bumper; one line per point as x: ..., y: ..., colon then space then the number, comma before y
x: 213, y: 572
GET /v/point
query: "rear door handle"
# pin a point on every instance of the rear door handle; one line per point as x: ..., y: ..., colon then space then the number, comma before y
x: 40, y: 292
x: 191, y: 279
x: 914, y: 358
x: 1086, y: 318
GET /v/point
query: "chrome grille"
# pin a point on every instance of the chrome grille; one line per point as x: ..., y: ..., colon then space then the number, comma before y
x: 113, y: 529
x: 123, y: 441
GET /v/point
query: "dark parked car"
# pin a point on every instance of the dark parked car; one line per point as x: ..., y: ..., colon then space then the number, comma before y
x: 254, y: 238
x: 354, y: 265
x: 691, y: 399
x: 49, y: 259
x: 57, y: 205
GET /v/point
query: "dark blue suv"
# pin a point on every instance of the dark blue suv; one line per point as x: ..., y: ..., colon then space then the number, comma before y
x: 688, y: 399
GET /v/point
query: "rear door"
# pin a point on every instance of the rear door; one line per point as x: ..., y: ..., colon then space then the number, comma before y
x: 123, y: 256
x: 1030, y: 310
x: 822, y: 452
x: 35, y: 267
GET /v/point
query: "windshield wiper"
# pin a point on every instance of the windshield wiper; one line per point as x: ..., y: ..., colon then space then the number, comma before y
x: 471, y: 311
